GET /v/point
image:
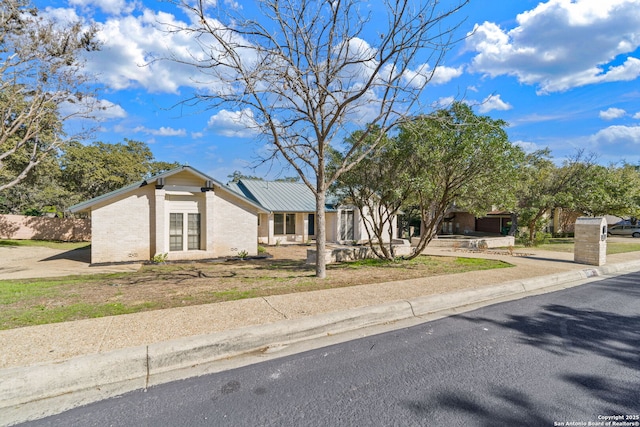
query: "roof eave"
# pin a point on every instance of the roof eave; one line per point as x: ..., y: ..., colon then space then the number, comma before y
x: 88, y: 204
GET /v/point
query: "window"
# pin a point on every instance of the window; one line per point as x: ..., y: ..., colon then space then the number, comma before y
x: 346, y: 225
x: 278, y: 223
x: 291, y: 223
x: 284, y: 223
x: 175, y: 231
x: 193, y: 232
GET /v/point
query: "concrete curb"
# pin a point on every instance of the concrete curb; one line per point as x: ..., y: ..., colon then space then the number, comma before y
x: 90, y: 378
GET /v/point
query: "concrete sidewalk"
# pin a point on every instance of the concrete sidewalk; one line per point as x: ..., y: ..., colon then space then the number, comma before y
x: 49, y: 368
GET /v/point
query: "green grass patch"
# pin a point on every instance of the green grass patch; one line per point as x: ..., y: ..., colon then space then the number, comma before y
x: 367, y: 262
x: 27, y: 302
x: 41, y: 315
x: 620, y: 248
x: 568, y: 245
x: 28, y: 289
x: 429, y: 265
x: 52, y: 244
x: 481, y: 264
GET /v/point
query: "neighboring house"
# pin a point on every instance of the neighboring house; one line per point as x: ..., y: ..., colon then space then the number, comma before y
x: 290, y: 215
x: 462, y: 222
x: 183, y: 213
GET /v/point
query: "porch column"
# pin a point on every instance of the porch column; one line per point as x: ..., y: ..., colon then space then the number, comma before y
x: 161, y: 224
x: 305, y: 228
x: 271, y: 239
x: 209, y: 221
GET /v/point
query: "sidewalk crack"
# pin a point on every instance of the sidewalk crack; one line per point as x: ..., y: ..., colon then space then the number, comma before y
x: 275, y: 309
x: 412, y: 310
x: 104, y: 335
x: 146, y: 384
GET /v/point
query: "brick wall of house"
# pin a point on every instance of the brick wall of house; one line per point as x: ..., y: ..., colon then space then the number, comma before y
x: 135, y: 226
x: 121, y: 229
x: 463, y: 223
x: 20, y: 227
x: 235, y: 226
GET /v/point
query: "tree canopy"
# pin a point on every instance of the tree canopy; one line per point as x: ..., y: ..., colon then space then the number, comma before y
x: 451, y: 156
x: 543, y: 185
x: 79, y: 173
x: 40, y: 72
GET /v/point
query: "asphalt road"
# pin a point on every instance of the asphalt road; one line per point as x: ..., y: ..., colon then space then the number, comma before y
x: 566, y: 358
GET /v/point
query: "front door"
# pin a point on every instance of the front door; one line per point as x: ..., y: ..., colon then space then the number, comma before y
x: 311, y: 230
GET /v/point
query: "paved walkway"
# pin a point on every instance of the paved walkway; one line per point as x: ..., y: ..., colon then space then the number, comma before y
x: 20, y: 262
x: 57, y: 342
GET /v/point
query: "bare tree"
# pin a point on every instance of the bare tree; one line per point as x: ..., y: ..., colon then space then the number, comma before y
x: 310, y: 72
x: 40, y: 72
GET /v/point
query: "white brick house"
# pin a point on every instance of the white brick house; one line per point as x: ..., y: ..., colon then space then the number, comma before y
x: 289, y: 214
x: 183, y: 213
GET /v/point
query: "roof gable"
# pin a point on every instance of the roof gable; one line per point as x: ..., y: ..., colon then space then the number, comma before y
x: 182, y: 170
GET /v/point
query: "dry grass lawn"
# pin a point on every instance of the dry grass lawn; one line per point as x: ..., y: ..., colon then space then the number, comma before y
x: 36, y: 301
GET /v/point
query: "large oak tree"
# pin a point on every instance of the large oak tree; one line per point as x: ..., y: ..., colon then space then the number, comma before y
x: 307, y: 73
x: 450, y: 157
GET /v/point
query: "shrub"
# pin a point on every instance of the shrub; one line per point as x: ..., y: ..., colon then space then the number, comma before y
x: 160, y: 258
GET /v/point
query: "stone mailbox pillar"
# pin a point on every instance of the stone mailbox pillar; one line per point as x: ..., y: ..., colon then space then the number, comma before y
x: 591, y: 241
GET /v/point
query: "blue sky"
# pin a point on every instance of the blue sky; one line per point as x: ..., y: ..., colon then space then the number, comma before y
x: 564, y: 74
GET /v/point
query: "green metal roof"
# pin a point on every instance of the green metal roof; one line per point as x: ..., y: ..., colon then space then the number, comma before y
x: 279, y: 196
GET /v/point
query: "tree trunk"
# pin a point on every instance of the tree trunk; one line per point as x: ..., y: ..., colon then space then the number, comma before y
x: 321, y: 235
x: 514, y: 224
x: 532, y: 232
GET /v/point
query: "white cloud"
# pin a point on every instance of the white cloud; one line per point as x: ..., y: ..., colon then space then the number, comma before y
x: 537, y: 118
x: 108, y: 110
x: 91, y: 108
x: 162, y: 131
x: 113, y: 7
x: 444, y: 102
x: 240, y: 124
x: 443, y: 74
x: 61, y: 15
x: 440, y: 75
x: 528, y: 147
x: 563, y: 44
x: 612, y: 113
x: 618, y: 135
x: 493, y: 102
x: 130, y: 46
x: 637, y: 115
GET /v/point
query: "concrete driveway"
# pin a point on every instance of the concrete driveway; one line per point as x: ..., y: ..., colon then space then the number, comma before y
x: 21, y: 262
